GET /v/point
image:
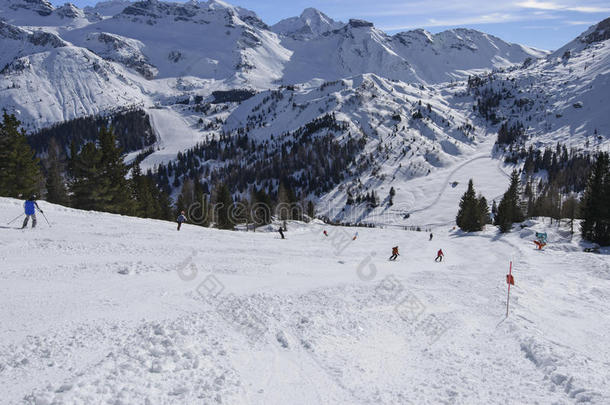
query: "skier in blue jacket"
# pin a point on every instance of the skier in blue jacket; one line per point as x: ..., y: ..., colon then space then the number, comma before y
x: 30, y: 207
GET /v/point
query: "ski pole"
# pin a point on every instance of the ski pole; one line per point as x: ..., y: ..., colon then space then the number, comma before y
x: 45, y: 218
x: 15, y: 219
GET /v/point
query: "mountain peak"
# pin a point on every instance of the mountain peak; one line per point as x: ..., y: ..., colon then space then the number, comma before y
x: 356, y: 23
x: 311, y: 12
x: 597, y: 33
x: 216, y: 4
x: 156, y: 9
x: 42, y: 7
x: 69, y: 10
x: 311, y: 23
x: 108, y: 8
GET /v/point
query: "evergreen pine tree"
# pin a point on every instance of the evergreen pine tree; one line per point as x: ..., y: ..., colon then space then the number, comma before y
x: 224, y: 207
x: 99, y: 177
x: 117, y: 196
x: 57, y: 192
x: 483, y: 210
x: 261, y: 207
x: 165, y: 205
x: 283, y: 201
x: 199, y: 212
x: 146, y: 206
x: 85, y: 172
x: 509, y: 209
x: 241, y: 212
x: 595, y: 204
x: 186, y: 198
x: 569, y: 210
x: 19, y: 168
x: 350, y: 198
x: 469, y: 215
x: 311, y: 211
x: 528, y: 192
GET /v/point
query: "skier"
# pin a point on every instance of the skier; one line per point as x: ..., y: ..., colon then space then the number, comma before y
x: 430, y: 236
x: 355, y: 236
x: 439, y: 255
x: 325, y: 233
x: 30, y: 207
x: 281, y: 232
x: 394, y: 253
x: 539, y: 244
x: 540, y: 240
x: 181, y: 219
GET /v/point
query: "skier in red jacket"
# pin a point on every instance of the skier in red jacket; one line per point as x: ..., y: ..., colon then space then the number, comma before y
x: 439, y: 256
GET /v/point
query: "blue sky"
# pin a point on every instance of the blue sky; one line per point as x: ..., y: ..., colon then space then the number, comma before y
x: 546, y: 24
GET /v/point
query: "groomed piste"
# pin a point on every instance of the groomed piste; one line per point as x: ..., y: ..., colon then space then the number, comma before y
x: 101, y: 308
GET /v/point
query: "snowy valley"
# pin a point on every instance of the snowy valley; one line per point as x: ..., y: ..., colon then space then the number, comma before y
x: 404, y: 101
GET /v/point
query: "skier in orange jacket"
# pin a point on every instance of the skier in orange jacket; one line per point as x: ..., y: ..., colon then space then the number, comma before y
x: 394, y: 253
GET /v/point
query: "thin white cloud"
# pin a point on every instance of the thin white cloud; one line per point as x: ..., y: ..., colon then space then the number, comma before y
x: 492, y: 18
x: 580, y: 22
x: 589, y: 9
x: 554, y: 6
x: 387, y: 8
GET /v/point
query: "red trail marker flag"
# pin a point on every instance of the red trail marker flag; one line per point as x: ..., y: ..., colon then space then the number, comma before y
x: 510, y: 280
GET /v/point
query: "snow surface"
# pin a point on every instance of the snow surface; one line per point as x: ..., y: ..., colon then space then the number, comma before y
x: 101, y: 308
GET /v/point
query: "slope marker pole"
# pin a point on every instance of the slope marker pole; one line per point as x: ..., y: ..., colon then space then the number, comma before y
x: 509, y: 280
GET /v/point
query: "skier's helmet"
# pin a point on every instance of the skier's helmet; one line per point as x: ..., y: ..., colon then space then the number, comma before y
x: 33, y: 197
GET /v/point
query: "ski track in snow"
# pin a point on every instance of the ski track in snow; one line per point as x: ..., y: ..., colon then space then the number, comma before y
x: 94, y: 312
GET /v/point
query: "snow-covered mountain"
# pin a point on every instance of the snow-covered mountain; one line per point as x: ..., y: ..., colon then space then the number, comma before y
x: 210, y: 40
x: 403, y: 98
x: 40, y: 7
x: 16, y: 42
x: 161, y: 51
x: 311, y: 23
x: 356, y: 48
x: 560, y: 98
x: 108, y: 8
x: 414, y: 56
x: 41, y: 13
x: 45, y: 80
x: 596, y: 34
x: 461, y: 49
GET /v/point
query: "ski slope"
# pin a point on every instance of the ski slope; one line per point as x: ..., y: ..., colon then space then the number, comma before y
x: 102, y: 308
x: 430, y: 200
